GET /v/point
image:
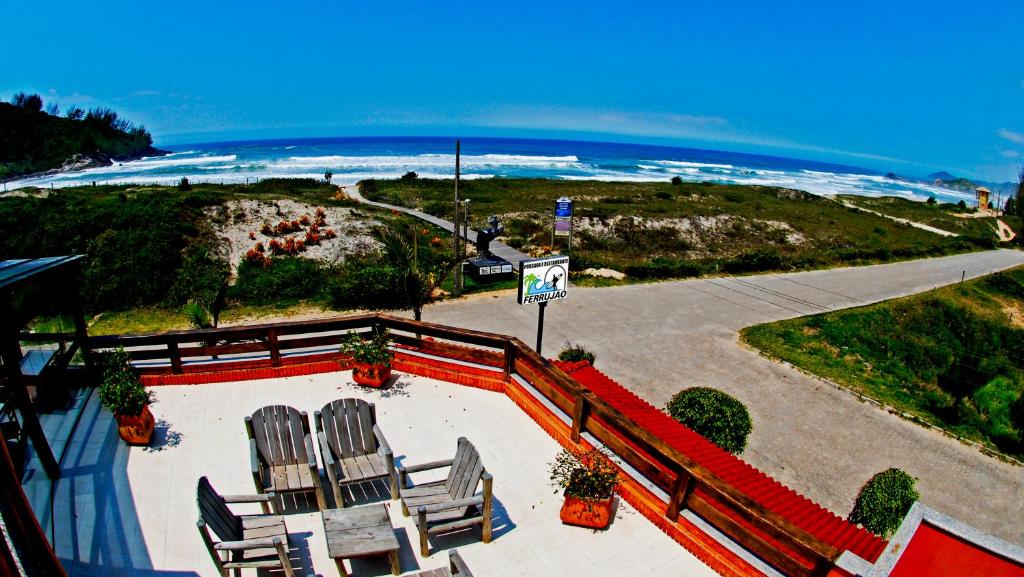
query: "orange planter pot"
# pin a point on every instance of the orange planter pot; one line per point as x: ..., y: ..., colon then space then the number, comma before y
x: 136, y: 429
x: 593, y: 513
x: 371, y: 375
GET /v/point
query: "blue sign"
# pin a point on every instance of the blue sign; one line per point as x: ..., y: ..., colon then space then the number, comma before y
x: 563, y: 207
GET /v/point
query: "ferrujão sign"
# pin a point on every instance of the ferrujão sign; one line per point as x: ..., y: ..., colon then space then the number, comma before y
x: 543, y: 279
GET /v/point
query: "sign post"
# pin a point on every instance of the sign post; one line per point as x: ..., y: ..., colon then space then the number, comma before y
x: 542, y: 280
x: 563, y: 220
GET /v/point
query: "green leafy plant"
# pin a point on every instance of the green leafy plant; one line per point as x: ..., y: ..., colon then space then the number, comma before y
x: 374, y: 351
x: 121, y: 390
x: 575, y: 353
x: 718, y: 417
x: 884, y: 501
x: 589, y: 475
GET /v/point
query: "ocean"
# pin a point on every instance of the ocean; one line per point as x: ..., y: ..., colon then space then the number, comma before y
x: 354, y: 159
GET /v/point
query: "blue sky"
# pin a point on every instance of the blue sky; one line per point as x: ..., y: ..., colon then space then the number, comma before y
x: 903, y: 86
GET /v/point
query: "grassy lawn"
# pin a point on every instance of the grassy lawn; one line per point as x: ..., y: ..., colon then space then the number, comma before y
x: 952, y: 357
x: 658, y: 230
x: 941, y: 215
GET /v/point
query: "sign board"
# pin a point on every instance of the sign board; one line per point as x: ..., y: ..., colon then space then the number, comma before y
x: 563, y: 207
x: 563, y: 226
x: 543, y: 279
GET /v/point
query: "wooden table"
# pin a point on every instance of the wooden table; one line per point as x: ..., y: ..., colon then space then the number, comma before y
x: 360, y: 532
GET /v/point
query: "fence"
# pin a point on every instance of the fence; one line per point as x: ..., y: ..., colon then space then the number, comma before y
x: 764, y: 532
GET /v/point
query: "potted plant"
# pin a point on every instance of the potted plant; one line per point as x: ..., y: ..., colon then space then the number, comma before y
x: 124, y: 395
x: 371, y: 358
x: 588, y: 481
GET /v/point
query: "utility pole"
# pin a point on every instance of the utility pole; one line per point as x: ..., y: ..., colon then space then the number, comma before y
x: 457, y: 289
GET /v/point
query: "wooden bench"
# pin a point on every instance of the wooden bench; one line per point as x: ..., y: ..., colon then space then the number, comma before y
x: 451, y: 504
x: 353, y: 447
x: 243, y: 541
x: 281, y: 453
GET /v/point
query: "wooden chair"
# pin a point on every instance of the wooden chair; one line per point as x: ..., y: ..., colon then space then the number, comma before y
x: 353, y: 447
x: 456, y: 568
x: 242, y: 542
x: 451, y: 504
x: 281, y: 453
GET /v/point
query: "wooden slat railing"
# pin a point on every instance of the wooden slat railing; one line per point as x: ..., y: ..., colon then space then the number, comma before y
x: 688, y: 484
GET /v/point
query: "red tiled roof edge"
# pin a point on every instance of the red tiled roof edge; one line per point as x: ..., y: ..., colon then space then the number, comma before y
x: 757, y: 485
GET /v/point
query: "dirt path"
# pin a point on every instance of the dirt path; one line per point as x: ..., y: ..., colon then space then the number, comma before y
x: 919, y: 225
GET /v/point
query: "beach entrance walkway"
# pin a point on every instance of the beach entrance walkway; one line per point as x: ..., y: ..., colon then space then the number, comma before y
x: 499, y: 249
x: 659, y: 338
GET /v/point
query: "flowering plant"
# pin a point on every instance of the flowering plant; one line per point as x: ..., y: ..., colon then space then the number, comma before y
x: 587, y: 475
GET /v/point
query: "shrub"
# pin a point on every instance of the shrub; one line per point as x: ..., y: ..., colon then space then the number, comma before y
x: 575, y: 353
x: 663, y: 195
x: 369, y: 287
x: 931, y: 200
x: 121, y: 390
x: 282, y: 279
x: 590, y: 475
x: 676, y: 181
x: 410, y: 176
x: 884, y: 501
x: 184, y: 185
x: 720, y: 418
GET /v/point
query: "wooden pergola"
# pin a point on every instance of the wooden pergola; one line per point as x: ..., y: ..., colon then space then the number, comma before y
x: 29, y: 287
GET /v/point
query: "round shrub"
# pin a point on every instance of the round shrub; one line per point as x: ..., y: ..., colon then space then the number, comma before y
x: 720, y: 418
x: 884, y: 501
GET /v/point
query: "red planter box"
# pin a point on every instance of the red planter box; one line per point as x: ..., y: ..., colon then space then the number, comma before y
x: 136, y: 429
x: 371, y: 375
x: 596, y: 514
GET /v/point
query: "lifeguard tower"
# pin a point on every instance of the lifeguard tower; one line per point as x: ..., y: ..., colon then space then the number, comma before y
x: 982, y: 195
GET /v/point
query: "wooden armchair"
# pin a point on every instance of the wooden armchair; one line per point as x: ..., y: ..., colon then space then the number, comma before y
x: 353, y: 446
x: 451, y: 504
x: 242, y: 541
x: 281, y: 453
x: 456, y: 568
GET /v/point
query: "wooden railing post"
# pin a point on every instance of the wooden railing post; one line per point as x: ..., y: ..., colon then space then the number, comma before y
x: 510, y: 360
x: 680, y: 494
x: 275, y: 351
x: 175, y: 354
x: 579, y: 414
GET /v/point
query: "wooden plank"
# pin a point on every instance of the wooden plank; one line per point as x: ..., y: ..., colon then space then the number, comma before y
x: 341, y: 424
x: 458, y: 464
x: 175, y: 355
x: 452, y: 351
x: 366, y: 429
x: 579, y: 414
x: 481, y: 338
x: 275, y: 351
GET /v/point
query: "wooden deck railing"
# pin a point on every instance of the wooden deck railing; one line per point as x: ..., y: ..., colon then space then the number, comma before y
x: 688, y: 484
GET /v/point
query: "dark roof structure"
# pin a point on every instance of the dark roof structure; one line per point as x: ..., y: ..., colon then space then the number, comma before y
x: 15, y: 271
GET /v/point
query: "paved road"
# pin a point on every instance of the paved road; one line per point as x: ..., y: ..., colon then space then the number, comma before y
x: 659, y: 338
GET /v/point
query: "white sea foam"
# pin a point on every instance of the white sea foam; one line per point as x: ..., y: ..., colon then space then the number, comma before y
x: 681, y: 163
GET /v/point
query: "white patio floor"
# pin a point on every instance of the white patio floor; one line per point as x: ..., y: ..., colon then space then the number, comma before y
x: 122, y: 511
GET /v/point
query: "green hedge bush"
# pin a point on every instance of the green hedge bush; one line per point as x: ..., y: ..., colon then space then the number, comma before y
x: 720, y: 418
x: 369, y: 286
x: 884, y: 501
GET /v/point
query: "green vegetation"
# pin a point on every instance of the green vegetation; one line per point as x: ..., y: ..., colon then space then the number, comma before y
x: 151, y: 250
x: 950, y: 357
x: 884, y: 501
x: 34, y: 140
x: 121, y: 390
x: 718, y: 417
x: 661, y: 230
x: 576, y: 353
